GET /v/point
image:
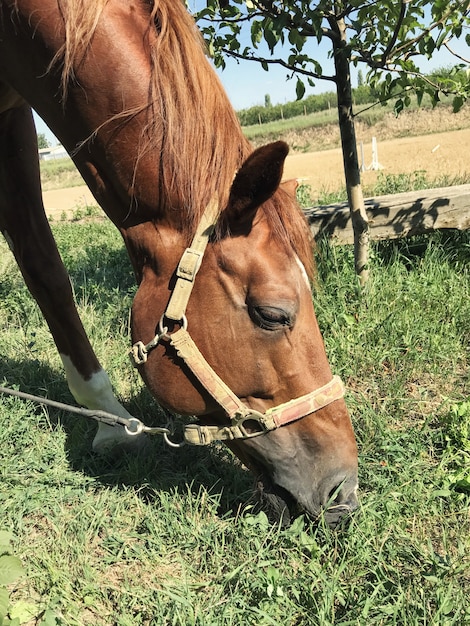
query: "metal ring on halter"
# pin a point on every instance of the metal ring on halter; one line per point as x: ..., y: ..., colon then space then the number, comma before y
x: 134, y: 427
x: 172, y: 444
x: 163, y: 330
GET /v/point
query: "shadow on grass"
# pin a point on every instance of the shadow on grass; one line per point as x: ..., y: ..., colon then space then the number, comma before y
x: 101, y: 273
x: 154, y: 469
x: 452, y: 246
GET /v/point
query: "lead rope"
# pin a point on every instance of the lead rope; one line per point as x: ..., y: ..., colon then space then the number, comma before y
x: 133, y: 426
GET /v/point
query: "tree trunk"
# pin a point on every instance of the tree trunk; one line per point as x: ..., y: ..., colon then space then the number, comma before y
x: 359, y: 219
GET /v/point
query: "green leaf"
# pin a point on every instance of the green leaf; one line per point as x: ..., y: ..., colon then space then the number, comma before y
x: 49, y: 619
x: 6, y: 539
x: 4, y: 602
x: 10, y: 569
x: 457, y: 103
x: 256, y: 33
x: 463, y: 484
x: 434, y: 98
x: 24, y: 611
x: 270, y: 38
x: 399, y: 106
x: 440, y: 40
x: 430, y: 47
x: 296, y: 39
x: 299, y: 89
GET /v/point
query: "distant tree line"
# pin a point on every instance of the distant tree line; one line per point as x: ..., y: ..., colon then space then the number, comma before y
x: 362, y: 94
x: 260, y: 114
x: 269, y: 113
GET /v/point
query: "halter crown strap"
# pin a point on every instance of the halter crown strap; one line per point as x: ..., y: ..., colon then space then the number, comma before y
x: 186, y: 271
x: 190, y: 263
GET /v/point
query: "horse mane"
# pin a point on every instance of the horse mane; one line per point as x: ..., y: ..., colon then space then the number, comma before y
x: 80, y: 19
x: 190, y: 121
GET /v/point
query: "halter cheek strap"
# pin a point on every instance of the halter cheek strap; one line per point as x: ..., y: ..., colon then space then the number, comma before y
x: 244, y: 421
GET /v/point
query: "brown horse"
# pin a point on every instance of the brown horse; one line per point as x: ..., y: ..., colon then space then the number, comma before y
x: 126, y: 87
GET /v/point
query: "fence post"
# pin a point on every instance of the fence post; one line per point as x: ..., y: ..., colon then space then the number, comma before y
x: 375, y: 165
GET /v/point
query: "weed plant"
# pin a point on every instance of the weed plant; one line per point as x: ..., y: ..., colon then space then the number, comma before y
x: 161, y: 538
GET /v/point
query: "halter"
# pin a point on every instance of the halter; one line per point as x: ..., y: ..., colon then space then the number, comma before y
x: 244, y: 421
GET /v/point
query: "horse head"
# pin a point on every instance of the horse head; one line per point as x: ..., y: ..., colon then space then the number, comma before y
x: 251, y: 316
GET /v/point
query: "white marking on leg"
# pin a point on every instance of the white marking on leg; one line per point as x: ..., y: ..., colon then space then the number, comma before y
x: 97, y: 393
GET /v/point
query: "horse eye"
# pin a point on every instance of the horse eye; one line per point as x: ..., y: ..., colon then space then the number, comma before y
x: 269, y: 317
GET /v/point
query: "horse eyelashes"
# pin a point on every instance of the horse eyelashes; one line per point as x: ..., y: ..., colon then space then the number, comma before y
x: 270, y: 318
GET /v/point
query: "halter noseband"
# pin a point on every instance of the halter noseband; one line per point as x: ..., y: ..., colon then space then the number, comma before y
x: 244, y: 421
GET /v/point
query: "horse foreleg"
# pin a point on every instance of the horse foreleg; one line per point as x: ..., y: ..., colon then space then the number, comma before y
x: 26, y: 228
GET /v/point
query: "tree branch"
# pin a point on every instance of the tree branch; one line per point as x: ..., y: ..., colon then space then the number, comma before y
x: 296, y: 70
x: 411, y: 42
x: 268, y: 8
x: 230, y: 20
x: 398, y: 25
x: 458, y: 56
x: 417, y: 74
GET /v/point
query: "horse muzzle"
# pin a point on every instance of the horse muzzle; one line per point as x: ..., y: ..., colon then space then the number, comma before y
x: 282, y: 507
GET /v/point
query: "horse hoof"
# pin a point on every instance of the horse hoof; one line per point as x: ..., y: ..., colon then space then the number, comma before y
x: 114, y: 441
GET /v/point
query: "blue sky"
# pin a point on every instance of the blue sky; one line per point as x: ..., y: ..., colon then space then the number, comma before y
x: 247, y: 83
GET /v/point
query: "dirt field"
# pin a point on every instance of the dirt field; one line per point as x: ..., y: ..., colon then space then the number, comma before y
x: 438, y: 154
x: 67, y: 201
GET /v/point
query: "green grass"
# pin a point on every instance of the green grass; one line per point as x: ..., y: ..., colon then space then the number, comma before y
x: 273, y: 129
x: 369, y: 114
x: 162, y: 539
x: 384, y: 185
x: 59, y: 174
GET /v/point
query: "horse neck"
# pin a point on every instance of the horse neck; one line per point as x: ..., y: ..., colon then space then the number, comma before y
x: 181, y: 142
x: 146, y: 118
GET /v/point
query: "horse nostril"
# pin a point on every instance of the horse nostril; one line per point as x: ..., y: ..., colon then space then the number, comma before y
x: 339, y: 503
x: 342, y: 494
x: 335, y: 496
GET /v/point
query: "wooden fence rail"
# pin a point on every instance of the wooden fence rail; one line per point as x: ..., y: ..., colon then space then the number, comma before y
x: 398, y: 215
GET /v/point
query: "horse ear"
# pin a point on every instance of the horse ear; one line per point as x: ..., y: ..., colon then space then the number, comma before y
x: 255, y: 182
x: 290, y: 186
